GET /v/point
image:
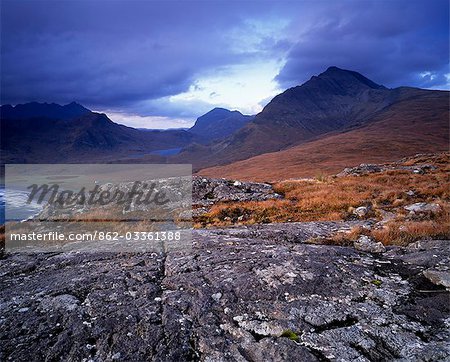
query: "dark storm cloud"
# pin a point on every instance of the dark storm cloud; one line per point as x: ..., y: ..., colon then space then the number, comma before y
x: 132, y: 55
x: 394, y: 43
x: 109, y: 53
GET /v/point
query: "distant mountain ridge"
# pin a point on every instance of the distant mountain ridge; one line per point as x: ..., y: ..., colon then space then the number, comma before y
x: 323, y: 124
x: 91, y: 137
x: 336, y: 100
x: 49, y: 132
x: 219, y: 123
x: 47, y: 110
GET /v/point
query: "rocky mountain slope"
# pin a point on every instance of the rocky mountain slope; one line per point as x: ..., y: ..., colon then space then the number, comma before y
x: 416, y: 124
x: 336, y: 101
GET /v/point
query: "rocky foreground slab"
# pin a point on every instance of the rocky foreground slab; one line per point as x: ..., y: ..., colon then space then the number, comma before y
x: 240, y: 294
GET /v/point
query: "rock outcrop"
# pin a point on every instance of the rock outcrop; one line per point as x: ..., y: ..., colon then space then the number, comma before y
x: 364, y: 243
x: 245, y: 293
x: 365, y: 169
x: 423, y: 207
x: 207, y: 192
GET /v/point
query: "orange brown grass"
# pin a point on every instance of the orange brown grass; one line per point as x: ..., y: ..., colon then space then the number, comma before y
x: 407, y: 232
x: 335, y: 198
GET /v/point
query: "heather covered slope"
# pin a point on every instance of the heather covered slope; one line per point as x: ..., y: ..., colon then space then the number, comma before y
x: 409, y: 198
x: 417, y: 124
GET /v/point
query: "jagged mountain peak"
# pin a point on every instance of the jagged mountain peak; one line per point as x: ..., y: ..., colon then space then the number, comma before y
x: 346, y: 77
x: 219, y: 111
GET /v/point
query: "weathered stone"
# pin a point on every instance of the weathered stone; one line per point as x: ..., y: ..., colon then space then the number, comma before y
x: 438, y: 277
x: 365, y: 243
x: 423, y: 207
x: 216, y: 296
x: 422, y: 169
x: 64, y: 302
x: 362, y: 169
x: 206, y: 192
x: 338, y: 303
x: 361, y: 211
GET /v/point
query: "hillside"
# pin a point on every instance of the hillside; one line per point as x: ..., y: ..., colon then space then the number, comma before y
x: 416, y: 124
x: 335, y: 101
x: 92, y: 137
x: 332, y: 101
x: 48, y: 132
x: 219, y: 123
x: 47, y: 110
x: 335, y: 119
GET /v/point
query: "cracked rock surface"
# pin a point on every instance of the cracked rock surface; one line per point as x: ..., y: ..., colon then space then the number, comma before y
x: 240, y: 294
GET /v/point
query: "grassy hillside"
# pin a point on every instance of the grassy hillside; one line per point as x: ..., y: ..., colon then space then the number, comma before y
x: 384, y: 195
x: 403, y: 129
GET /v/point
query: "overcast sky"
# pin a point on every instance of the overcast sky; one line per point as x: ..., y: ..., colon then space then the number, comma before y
x: 162, y: 64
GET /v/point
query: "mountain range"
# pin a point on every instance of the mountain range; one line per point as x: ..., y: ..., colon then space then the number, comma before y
x: 335, y: 101
x: 219, y: 123
x: 336, y: 119
x: 43, y: 132
x: 47, y: 110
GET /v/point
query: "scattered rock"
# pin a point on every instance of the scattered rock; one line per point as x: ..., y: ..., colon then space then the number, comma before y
x: 423, y: 207
x: 362, y: 169
x: 206, y: 191
x: 365, y: 243
x: 361, y: 211
x: 438, y: 277
x: 423, y: 169
x: 216, y: 296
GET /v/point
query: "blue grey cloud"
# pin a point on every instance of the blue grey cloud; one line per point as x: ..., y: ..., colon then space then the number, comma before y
x: 396, y: 43
x: 108, y: 53
x: 132, y: 55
